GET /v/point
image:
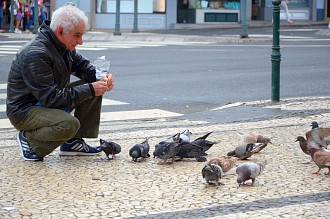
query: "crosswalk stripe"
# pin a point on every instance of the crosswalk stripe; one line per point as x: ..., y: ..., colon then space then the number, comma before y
x: 13, y: 41
x: 91, y: 49
x: 3, y: 86
x: 10, y: 46
x: 10, y: 49
x: 119, y: 116
x: 8, y: 52
x: 105, y: 102
x: 137, y: 114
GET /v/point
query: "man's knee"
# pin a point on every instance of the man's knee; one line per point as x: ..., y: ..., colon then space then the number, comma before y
x: 70, y: 127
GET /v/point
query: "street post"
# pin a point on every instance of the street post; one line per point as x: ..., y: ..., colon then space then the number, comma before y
x: 117, y: 24
x: 276, y: 54
x: 135, y: 22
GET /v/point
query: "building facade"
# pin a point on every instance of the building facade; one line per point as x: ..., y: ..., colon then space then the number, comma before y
x: 167, y: 14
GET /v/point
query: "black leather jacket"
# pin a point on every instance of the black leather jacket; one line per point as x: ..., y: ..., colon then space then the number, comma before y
x: 40, y: 72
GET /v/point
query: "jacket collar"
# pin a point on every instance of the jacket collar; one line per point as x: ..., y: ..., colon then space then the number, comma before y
x: 49, y: 33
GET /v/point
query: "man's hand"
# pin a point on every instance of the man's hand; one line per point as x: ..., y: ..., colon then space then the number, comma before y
x: 100, y: 87
x: 109, y: 78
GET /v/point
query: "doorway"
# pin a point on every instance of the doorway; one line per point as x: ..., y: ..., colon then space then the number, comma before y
x: 328, y: 10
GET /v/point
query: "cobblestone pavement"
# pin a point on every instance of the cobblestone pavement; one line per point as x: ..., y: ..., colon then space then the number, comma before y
x: 93, y: 187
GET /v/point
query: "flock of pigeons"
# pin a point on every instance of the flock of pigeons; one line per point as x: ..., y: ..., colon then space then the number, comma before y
x: 179, y: 146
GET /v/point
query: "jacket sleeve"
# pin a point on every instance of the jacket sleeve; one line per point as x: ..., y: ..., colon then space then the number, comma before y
x: 46, y: 78
x: 82, y: 67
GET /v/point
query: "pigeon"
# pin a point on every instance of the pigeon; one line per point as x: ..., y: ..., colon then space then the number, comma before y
x: 249, y: 170
x: 314, y: 125
x: 226, y: 163
x: 166, y: 150
x: 203, y: 142
x: 251, y: 138
x: 243, y: 152
x: 264, y: 143
x: 191, y: 150
x: 212, y: 173
x: 109, y: 147
x: 321, y: 158
x: 315, y: 138
x: 140, y: 151
x: 184, y: 136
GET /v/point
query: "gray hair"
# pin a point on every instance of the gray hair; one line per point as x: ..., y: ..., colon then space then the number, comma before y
x: 68, y: 17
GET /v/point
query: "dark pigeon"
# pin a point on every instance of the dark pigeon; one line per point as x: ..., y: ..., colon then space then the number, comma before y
x: 314, y: 125
x: 109, y: 147
x: 249, y: 170
x: 140, y: 151
x: 321, y: 158
x: 203, y: 142
x: 167, y: 150
x: 212, y: 173
x: 191, y: 150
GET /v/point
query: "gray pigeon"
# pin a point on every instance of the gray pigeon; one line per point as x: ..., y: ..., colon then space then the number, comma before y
x: 212, y: 173
x: 315, y: 138
x: 243, y: 152
x: 109, y: 147
x: 318, y: 137
x: 249, y: 170
x: 264, y: 143
x: 140, y: 151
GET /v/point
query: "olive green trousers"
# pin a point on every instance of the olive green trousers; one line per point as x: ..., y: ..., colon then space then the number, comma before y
x: 47, y: 128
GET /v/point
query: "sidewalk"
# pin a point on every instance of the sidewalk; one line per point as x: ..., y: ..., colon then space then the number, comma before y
x: 93, y: 187
x: 181, y: 33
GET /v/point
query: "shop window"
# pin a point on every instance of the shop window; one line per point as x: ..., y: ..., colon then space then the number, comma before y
x: 127, y: 6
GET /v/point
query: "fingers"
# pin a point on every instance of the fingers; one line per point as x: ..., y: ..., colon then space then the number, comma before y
x: 110, y: 81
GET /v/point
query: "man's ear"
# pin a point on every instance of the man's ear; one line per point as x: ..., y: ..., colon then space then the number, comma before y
x: 59, y: 31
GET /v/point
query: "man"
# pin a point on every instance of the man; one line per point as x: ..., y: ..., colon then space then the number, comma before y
x: 40, y: 98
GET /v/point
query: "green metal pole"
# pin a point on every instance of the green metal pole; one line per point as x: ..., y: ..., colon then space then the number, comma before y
x: 36, y: 17
x: 276, y: 54
x: 135, y: 23
x: 243, y: 34
x: 117, y: 24
x: 11, y: 28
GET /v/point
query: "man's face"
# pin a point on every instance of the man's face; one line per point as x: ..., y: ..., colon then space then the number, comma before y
x: 72, y: 38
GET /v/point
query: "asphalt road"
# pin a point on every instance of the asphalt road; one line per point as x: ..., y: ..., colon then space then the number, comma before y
x: 195, y: 78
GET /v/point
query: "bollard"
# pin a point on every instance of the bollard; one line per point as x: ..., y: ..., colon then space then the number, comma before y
x: 117, y: 24
x: 276, y: 54
x: 243, y: 34
x: 135, y: 23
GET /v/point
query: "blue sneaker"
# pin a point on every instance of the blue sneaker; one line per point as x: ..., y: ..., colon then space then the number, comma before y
x: 27, y: 153
x: 78, y: 147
